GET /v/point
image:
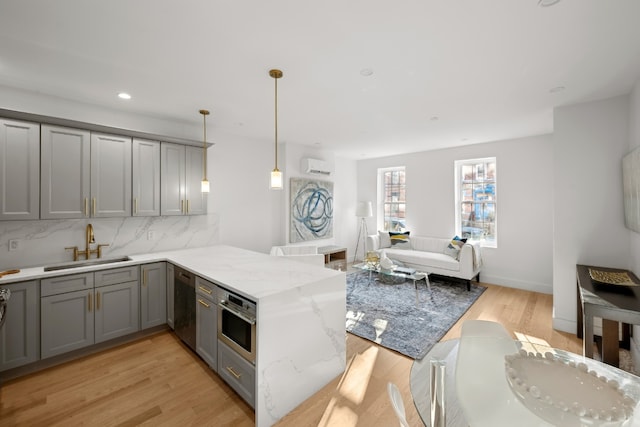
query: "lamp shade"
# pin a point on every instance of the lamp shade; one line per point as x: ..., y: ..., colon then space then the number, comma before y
x: 364, y: 210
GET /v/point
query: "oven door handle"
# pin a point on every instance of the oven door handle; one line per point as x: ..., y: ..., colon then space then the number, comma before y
x: 237, y: 313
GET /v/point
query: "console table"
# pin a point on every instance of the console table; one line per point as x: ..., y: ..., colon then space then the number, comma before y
x: 334, y: 257
x: 612, y: 303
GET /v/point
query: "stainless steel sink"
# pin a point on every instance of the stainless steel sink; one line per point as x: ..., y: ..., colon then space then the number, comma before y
x: 87, y: 263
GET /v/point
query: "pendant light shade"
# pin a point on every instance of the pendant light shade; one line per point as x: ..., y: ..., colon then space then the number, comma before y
x: 276, y: 175
x: 204, y: 187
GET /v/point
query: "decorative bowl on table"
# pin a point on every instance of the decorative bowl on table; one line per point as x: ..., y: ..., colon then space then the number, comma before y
x: 567, y: 393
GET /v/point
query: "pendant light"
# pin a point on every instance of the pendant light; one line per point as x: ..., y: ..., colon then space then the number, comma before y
x: 276, y: 175
x: 205, y: 183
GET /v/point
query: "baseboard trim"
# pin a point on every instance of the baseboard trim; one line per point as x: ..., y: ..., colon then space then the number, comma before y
x: 542, y: 288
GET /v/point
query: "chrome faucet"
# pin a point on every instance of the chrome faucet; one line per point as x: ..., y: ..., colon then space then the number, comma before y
x: 89, y: 239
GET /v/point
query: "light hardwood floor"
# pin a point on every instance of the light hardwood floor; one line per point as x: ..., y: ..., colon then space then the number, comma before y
x: 158, y: 381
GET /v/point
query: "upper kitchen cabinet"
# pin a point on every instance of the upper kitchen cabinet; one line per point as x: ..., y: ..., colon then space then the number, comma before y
x: 182, y: 171
x: 110, y: 175
x: 19, y: 170
x: 83, y: 174
x: 64, y: 173
x: 146, y: 178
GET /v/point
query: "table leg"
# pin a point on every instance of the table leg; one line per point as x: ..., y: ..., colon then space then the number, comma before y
x: 587, y: 334
x: 610, y: 344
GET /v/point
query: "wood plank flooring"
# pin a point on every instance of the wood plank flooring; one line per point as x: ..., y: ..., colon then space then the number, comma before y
x: 158, y: 381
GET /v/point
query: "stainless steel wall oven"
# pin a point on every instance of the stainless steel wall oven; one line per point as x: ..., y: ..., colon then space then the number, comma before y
x: 237, y: 323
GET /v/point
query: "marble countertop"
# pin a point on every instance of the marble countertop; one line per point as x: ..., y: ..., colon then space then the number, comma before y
x: 253, y: 274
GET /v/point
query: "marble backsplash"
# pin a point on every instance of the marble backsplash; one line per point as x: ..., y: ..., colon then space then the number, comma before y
x: 42, y: 242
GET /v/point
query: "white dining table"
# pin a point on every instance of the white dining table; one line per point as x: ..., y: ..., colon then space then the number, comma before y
x: 476, y: 389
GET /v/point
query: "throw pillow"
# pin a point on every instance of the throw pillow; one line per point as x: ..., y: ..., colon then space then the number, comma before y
x: 400, y: 240
x: 454, y: 247
x: 385, y: 242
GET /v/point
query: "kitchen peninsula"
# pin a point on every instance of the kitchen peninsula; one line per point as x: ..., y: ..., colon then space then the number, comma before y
x: 300, y: 317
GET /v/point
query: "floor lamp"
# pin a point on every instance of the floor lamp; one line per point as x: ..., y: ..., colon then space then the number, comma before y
x: 363, y: 211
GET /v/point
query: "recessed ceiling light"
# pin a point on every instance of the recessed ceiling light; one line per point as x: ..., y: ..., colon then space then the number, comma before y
x: 124, y: 95
x: 366, y: 72
x: 547, y: 3
x: 556, y: 89
x: 434, y: 118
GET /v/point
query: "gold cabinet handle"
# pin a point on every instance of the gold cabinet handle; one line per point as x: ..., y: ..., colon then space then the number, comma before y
x: 90, y: 298
x: 86, y: 206
x: 181, y: 206
x: 188, y: 205
x: 207, y: 290
x: 233, y: 372
x: 97, y: 301
x: 93, y: 206
x: 203, y: 303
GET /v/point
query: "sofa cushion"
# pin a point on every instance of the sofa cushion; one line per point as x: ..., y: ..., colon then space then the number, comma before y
x: 454, y: 246
x: 385, y: 241
x: 427, y: 259
x: 400, y: 240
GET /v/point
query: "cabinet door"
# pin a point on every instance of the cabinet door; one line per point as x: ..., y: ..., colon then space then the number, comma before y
x: 173, y: 179
x: 110, y: 176
x: 19, y: 170
x: 66, y: 322
x: 196, y: 199
x: 64, y: 180
x: 20, y: 335
x: 117, y: 310
x: 146, y: 178
x: 170, y: 299
x: 206, y: 323
x: 153, y: 295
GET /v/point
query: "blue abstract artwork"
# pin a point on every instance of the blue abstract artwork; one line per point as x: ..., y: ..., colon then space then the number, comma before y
x: 311, y: 215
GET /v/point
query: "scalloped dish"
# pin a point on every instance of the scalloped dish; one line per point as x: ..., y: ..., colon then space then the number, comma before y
x: 566, y: 394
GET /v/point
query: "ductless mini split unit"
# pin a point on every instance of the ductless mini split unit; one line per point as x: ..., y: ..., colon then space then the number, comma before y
x: 316, y: 167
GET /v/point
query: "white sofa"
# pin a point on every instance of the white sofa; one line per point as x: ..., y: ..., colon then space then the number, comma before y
x: 308, y: 254
x: 429, y: 255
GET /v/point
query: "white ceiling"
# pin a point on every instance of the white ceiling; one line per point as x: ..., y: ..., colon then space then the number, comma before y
x: 445, y: 72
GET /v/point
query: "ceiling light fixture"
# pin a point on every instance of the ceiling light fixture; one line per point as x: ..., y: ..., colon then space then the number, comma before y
x: 366, y: 72
x: 204, y: 187
x: 124, y: 95
x: 276, y: 175
x: 547, y: 3
x: 556, y: 89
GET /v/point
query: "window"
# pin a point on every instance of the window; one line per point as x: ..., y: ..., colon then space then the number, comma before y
x: 393, y: 192
x: 476, y: 201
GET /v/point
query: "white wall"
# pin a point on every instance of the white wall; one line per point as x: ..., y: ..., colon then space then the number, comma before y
x: 524, y: 193
x: 589, y: 142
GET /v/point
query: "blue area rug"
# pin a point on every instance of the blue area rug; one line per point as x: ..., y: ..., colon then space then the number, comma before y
x: 389, y: 315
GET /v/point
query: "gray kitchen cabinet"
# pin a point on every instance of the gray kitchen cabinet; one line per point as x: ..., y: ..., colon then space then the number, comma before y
x: 237, y: 372
x: 170, y: 297
x: 20, y: 335
x: 153, y: 295
x: 66, y: 322
x: 19, y: 170
x: 182, y: 172
x: 206, y: 322
x: 83, y: 174
x: 110, y: 176
x: 146, y: 178
x: 64, y: 172
x: 117, y: 310
x: 82, y: 309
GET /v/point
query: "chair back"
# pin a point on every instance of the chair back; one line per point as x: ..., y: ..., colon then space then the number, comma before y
x: 397, y: 403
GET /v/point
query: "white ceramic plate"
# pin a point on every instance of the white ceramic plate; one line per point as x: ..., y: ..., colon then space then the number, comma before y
x: 566, y: 393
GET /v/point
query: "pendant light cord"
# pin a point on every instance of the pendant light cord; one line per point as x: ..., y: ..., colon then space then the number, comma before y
x: 204, y: 147
x: 276, y: 121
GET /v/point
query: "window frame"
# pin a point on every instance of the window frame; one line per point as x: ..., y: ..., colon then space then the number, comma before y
x: 382, y: 197
x: 458, y: 185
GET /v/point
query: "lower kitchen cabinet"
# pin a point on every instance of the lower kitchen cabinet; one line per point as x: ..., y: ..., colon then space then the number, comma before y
x: 237, y: 372
x: 20, y: 335
x: 75, y: 314
x: 206, y: 322
x: 153, y: 295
